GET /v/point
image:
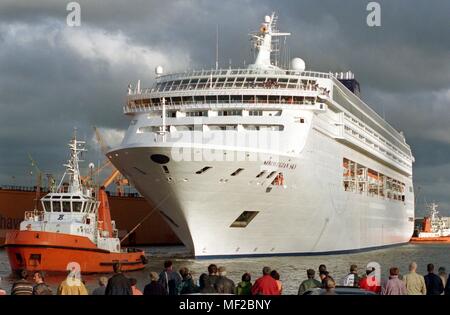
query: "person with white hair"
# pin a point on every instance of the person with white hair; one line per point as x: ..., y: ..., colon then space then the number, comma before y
x: 414, y: 282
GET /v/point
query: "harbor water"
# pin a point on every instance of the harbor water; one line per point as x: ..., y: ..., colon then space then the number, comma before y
x: 292, y: 269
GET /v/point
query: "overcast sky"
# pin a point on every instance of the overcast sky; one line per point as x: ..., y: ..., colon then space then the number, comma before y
x: 54, y: 77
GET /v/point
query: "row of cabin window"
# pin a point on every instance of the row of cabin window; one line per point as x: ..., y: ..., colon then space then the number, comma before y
x: 231, y: 82
x: 265, y: 99
x: 173, y: 114
x: 64, y: 206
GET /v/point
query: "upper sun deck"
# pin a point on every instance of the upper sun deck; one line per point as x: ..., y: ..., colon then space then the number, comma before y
x: 226, y: 79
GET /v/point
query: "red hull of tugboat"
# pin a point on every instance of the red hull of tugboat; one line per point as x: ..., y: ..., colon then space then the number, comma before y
x: 431, y: 240
x: 52, y: 252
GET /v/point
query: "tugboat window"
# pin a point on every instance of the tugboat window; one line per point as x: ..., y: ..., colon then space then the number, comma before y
x: 66, y: 206
x: 47, y: 206
x: 77, y: 206
x: 56, y: 206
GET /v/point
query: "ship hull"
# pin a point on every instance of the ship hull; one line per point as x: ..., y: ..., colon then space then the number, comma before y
x: 53, y: 252
x: 310, y: 214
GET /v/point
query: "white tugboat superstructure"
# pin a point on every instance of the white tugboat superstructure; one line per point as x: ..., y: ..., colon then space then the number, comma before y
x: 268, y: 161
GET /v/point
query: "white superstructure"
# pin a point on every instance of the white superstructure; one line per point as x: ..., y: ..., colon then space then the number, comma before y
x: 266, y: 161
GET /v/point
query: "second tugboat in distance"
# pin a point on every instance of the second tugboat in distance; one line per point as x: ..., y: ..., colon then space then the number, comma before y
x: 75, y: 227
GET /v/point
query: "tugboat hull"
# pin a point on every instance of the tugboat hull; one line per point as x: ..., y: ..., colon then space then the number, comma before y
x: 431, y: 240
x: 53, y: 252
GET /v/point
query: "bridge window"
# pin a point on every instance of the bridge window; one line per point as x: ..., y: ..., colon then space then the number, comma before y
x: 255, y: 113
x: 47, y: 206
x: 76, y: 206
x: 236, y: 98
x: 197, y: 114
x: 56, y: 206
x: 66, y: 206
x: 230, y: 113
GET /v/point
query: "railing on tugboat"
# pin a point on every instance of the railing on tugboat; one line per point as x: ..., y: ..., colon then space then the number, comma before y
x: 34, y: 215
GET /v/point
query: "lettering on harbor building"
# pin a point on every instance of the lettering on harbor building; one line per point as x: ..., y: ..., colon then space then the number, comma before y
x: 280, y: 164
x: 7, y: 223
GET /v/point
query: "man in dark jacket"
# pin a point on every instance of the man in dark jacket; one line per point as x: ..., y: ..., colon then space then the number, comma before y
x: 187, y: 286
x: 447, y: 286
x: 205, y: 286
x: 169, y: 279
x: 118, y: 284
x: 213, y: 274
x: 154, y: 288
x: 223, y: 284
x: 433, y: 282
x: 41, y: 288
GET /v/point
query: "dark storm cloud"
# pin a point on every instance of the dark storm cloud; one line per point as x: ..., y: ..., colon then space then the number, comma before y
x: 53, y: 78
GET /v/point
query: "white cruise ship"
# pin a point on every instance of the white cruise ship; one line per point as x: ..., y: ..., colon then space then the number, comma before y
x: 268, y: 161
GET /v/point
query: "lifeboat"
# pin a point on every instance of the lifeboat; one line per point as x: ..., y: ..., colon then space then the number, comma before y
x: 75, y: 227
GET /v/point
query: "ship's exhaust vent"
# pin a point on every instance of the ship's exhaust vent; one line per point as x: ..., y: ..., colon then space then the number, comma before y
x: 260, y: 174
x: 237, y: 171
x: 206, y: 168
x: 166, y: 169
x: 244, y: 219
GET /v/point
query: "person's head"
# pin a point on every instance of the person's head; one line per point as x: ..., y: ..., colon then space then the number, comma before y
x: 22, y: 274
x: 246, y: 277
x: 353, y: 269
x: 430, y: 268
x: 329, y: 283
x: 266, y: 271
x: 413, y: 266
x: 441, y: 270
x: 310, y: 273
x: 212, y: 269
x: 222, y: 271
x: 394, y: 271
x: 322, y: 268
x: 204, y: 281
x: 117, y: 267
x: 184, y: 272
x: 168, y: 265
x: 154, y: 276
x: 133, y: 282
x: 38, y: 277
x: 370, y: 270
x: 274, y: 274
x: 103, y: 281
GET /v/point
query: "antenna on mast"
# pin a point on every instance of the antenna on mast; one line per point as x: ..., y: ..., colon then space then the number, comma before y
x: 217, y: 47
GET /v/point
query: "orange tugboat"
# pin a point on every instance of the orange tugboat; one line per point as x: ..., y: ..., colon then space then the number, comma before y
x: 434, y: 229
x: 74, y: 227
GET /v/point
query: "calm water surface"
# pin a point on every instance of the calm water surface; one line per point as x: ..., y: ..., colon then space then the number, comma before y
x: 291, y: 269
